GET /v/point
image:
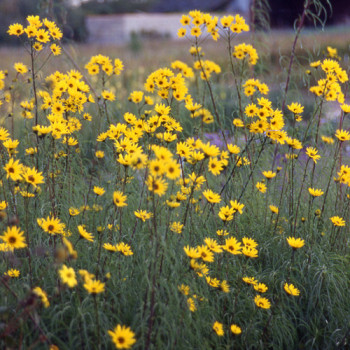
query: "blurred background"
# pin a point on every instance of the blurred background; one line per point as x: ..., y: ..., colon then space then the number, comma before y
x: 119, y: 21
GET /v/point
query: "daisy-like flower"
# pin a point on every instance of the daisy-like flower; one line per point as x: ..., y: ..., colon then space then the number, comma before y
x: 32, y: 176
x: 211, y: 196
x: 296, y: 108
x: 205, y: 254
x: 68, y: 276
x: 108, y: 95
x: 315, y: 192
x: 269, y: 174
x: 295, y: 243
x: 119, y: 199
x: 261, y: 287
x: 74, y: 211
x: 20, y: 68
x: 232, y: 246
x: 261, y: 187
x: 192, y: 252
x: 176, y: 227
x: 262, y: 302
x: 84, y: 234
x: 55, y: 49
x: 312, y: 153
x: 235, y: 329
x: 94, y: 286
x: 273, y: 209
x: 13, y: 273
x: 342, y: 135
x: 213, y: 245
x: 99, y: 190
x: 122, y: 337
x: 110, y: 247
x: 250, y: 280
x: 290, y: 289
x: 218, y: 328
x: 143, y: 215
x: 51, y: 225
x: 124, y: 248
x: 15, y: 29
x: 337, y: 221
x: 14, y: 238
x: 13, y: 169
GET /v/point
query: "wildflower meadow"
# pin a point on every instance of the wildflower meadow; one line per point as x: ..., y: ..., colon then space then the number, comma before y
x: 199, y: 207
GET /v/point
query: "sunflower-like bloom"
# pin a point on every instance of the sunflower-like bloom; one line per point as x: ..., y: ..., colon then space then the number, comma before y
x: 84, y: 234
x: 315, y: 192
x: 211, y: 196
x: 122, y: 337
x: 295, y: 243
x: 51, y: 225
x: 290, y: 289
x: 312, y: 153
x: 218, y: 328
x: 337, y: 221
x: 119, y: 199
x: 262, y: 302
x: 13, y: 169
x: 94, y: 286
x: 342, y: 135
x: 235, y: 329
x: 68, y: 276
x: 14, y: 238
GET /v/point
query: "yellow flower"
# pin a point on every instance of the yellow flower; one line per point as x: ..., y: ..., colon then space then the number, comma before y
x: 315, y: 192
x: 51, y: 225
x: 14, y: 238
x: 290, y: 289
x: 94, y: 286
x: 218, y: 328
x: 261, y: 187
x: 99, y: 154
x: 74, y: 211
x: 337, y: 221
x: 296, y: 108
x: 235, y: 329
x: 250, y: 280
x: 295, y: 243
x: 68, y: 276
x: 312, y: 153
x: 181, y: 32
x: 108, y: 95
x: 213, y: 245
x: 274, y: 209
x: 232, y: 246
x: 262, y: 302
x: 84, y: 234
x: 176, y: 227
x: 122, y: 337
x: 143, y: 215
x: 55, y: 49
x: 20, y: 68
x: 99, y: 190
x: 269, y: 174
x: 42, y: 295
x: 124, y: 248
x: 261, y: 287
x: 342, y: 135
x: 33, y: 177
x: 211, y: 196
x: 15, y: 29
x: 13, y: 169
x: 119, y: 199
